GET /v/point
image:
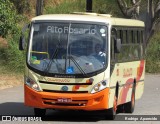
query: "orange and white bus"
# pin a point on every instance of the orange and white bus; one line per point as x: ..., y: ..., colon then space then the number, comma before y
x: 83, y: 61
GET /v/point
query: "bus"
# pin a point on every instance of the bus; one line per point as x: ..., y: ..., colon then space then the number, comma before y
x: 83, y: 61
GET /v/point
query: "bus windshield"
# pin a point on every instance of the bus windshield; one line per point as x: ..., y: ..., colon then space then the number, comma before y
x: 68, y: 48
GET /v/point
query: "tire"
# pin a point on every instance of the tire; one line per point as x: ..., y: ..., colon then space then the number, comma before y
x: 129, y: 107
x: 113, y: 111
x: 39, y: 112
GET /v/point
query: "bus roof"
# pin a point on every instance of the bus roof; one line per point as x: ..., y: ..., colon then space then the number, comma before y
x: 91, y: 17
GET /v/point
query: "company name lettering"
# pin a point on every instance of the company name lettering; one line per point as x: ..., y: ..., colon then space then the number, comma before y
x: 58, y: 80
x: 63, y: 30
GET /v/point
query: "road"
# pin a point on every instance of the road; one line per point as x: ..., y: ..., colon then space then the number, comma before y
x: 11, y: 103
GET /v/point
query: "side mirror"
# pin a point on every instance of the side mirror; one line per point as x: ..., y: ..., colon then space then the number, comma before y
x: 118, y: 45
x: 22, y: 43
x: 22, y: 37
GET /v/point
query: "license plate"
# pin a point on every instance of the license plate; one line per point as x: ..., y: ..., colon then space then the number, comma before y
x: 64, y: 100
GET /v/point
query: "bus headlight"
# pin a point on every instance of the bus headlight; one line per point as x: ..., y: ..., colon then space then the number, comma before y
x: 32, y: 84
x: 100, y: 86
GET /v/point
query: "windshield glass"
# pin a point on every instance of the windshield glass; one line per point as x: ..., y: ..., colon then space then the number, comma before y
x: 68, y: 48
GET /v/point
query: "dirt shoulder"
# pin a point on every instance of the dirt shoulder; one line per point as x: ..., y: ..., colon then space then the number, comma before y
x: 8, y: 81
x: 7, y: 78
x: 3, y: 42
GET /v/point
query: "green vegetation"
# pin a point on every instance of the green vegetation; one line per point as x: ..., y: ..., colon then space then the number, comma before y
x: 153, y: 55
x: 11, y: 58
x: 22, y: 6
x: 14, y: 15
x: 15, y: 59
x: 67, y: 6
x: 2, y: 61
x: 106, y: 6
x: 7, y: 18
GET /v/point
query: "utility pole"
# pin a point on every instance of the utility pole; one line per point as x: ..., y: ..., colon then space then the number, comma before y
x: 88, y: 5
x: 39, y: 7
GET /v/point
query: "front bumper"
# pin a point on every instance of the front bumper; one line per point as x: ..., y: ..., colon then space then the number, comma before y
x: 80, y: 101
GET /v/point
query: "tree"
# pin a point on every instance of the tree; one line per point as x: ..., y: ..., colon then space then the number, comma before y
x: 152, y: 18
x: 8, y: 18
x: 21, y: 5
x: 129, y: 11
x: 39, y: 7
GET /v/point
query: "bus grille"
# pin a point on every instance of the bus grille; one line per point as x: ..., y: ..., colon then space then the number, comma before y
x: 57, y: 83
x: 69, y: 84
x: 57, y: 91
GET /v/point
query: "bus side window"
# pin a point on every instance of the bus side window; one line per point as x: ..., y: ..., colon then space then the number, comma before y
x: 133, y: 38
x: 136, y: 36
x: 112, y: 50
x: 121, y: 35
x: 141, y: 44
x: 114, y: 34
x: 129, y: 36
x: 124, y: 36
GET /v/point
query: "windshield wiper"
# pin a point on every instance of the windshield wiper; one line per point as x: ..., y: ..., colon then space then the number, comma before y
x: 77, y: 65
x: 54, y: 55
x: 51, y: 60
x: 71, y: 57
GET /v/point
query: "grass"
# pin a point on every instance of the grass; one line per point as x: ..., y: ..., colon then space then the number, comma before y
x: 153, y: 55
x: 9, y: 78
x: 67, y: 6
x: 11, y: 59
x: 3, y: 68
x: 70, y: 6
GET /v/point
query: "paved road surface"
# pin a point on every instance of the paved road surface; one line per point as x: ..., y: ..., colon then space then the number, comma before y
x: 11, y: 103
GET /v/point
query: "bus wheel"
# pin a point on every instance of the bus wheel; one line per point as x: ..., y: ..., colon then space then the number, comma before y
x: 39, y: 112
x: 129, y: 107
x: 113, y: 111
